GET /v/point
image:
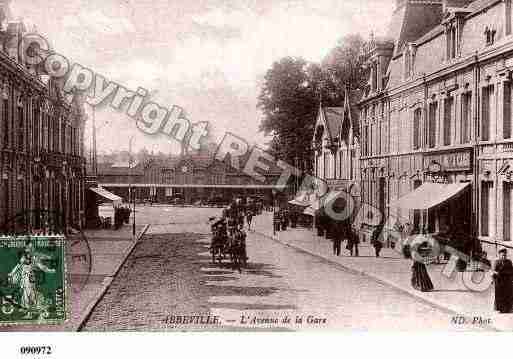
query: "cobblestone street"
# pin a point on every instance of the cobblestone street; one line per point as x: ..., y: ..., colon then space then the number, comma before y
x: 170, y: 275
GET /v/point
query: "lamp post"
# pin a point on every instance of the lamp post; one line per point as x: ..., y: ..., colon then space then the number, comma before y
x: 130, y: 182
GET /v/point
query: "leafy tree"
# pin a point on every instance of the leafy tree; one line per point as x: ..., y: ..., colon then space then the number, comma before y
x: 292, y: 90
x: 345, y: 65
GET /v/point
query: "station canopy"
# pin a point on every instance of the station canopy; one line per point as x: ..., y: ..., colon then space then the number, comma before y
x: 102, y: 192
x: 429, y: 195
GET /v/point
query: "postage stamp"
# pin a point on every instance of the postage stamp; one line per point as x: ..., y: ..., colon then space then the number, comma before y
x: 32, y: 280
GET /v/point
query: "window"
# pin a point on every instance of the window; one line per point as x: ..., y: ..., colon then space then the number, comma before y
x: 507, y: 8
x: 466, y: 113
x: 6, y: 199
x: 409, y: 60
x: 21, y: 127
x: 5, y: 128
x: 506, y: 113
x: 366, y: 141
x: 508, y: 193
x: 374, y: 76
x: 448, y: 111
x: 416, y: 128
x: 487, y: 206
x: 433, y: 109
x: 62, y: 129
x: 489, y: 35
x: 452, y: 46
x: 486, y: 98
x: 35, y: 109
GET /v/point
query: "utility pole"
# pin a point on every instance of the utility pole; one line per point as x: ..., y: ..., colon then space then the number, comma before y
x: 130, y: 182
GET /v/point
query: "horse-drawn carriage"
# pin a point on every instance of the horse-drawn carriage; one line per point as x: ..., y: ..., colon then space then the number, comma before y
x: 228, y: 241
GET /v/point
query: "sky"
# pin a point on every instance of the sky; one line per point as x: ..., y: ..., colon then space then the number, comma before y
x: 206, y: 56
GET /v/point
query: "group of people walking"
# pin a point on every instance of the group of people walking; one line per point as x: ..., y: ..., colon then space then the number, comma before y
x: 340, y: 231
x: 284, y: 218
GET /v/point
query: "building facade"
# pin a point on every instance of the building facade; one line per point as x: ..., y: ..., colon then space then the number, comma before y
x: 337, y: 149
x: 437, y: 109
x: 193, y: 177
x: 41, y: 145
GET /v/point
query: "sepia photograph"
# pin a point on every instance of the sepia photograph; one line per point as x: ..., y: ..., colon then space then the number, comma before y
x: 255, y: 166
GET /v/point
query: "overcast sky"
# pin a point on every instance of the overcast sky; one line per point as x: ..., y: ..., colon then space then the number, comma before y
x: 206, y: 56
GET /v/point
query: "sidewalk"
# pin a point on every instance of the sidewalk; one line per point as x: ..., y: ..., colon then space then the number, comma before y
x: 90, y: 272
x: 450, y: 294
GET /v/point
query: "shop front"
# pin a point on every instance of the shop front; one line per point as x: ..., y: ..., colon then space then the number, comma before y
x: 442, y: 204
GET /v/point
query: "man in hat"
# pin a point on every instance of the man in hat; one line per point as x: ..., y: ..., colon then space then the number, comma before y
x: 503, y: 280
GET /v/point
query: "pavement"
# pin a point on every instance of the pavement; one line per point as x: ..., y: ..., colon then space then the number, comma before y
x: 169, y: 283
x: 451, y: 292
x: 93, y: 260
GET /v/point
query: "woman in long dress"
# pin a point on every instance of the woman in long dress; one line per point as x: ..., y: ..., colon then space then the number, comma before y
x: 503, y: 280
x: 24, y: 275
x: 420, y: 279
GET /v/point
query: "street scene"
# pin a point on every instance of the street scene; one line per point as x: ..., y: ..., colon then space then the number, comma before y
x: 277, y: 282
x: 244, y: 166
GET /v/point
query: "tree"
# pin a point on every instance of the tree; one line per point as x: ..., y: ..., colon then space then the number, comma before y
x: 293, y: 89
x: 288, y: 102
x: 345, y: 65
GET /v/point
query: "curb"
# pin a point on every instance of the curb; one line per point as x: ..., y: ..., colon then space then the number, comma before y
x: 381, y: 280
x: 107, y: 282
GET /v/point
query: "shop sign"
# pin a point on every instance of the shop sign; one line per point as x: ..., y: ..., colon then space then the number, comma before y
x: 338, y: 185
x: 455, y: 161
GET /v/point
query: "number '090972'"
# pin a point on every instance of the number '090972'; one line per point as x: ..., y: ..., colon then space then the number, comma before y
x: 36, y: 350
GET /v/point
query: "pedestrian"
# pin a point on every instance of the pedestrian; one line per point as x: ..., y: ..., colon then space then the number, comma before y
x: 503, y: 280
x: 284, y: 219
x: 420, y: 279
x: 355, y: 239
x: 337, y: 236
x: 276, y: 221
x: 376, y: 239
x: 249, y: 218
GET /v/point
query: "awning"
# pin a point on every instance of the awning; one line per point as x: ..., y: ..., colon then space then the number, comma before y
x: 304, y: 199
x: 309, y: 211
x: 317, y: 203
x: 106, y: 194
x: 429, y: 195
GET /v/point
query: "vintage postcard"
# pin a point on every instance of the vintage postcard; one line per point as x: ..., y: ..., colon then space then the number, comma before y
x: 256, y: 166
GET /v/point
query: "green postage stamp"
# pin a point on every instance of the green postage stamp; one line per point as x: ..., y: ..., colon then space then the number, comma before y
x: 32, y: 280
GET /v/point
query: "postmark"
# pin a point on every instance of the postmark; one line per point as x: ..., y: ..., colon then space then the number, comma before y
x: 32, y: 279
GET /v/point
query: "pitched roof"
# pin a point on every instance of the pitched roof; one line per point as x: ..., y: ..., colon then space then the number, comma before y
x: 333, y: 117
x: 351, y: 111
x: 412, y: 20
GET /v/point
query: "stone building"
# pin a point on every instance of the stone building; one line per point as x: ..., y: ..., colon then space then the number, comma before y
x: 337, y: 149
x: 436, y: 118
x: 41, y: 144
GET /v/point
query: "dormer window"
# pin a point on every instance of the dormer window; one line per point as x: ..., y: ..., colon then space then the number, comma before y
x: 489, y: 35
x: 452, y: 42
x: 409, y: 60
